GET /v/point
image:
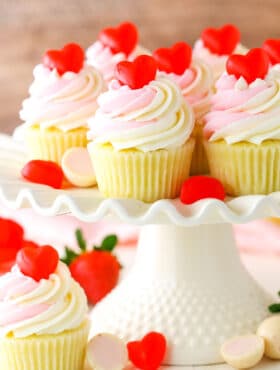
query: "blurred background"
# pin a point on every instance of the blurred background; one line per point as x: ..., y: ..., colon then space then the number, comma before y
x: 29, y: 27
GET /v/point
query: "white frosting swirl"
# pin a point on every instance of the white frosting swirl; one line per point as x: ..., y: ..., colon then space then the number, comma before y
x: 49, y: 306
x: 63, y: 102
x: 153, y: 117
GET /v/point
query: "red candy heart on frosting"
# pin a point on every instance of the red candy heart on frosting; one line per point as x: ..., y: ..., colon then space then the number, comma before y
x: 123, y: 38
x: 251, y: 66
x: 148, y: 353
x: 272, y: 48
x: 37, y: 263
x: 138, y: 73
x: 69, y: 59
x: 175, y: 59
x: 221, y: 41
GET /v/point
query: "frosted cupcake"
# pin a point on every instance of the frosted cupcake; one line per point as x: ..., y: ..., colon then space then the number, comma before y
x: 43, y: 321
x: 195, y: 79
x: 216, y: 44
x: 243, y: 128
x: 113, y: 46
x: 142, y: 129
x: 62, y: 97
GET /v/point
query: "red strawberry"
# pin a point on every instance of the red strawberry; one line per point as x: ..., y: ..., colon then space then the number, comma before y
x: 97, y: 271
x: 11, y: 239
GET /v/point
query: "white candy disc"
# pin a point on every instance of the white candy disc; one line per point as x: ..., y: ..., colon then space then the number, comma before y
x: 107, y: 352
x: 269, y: 330
x: 243, y: 352
x: 77, y: 167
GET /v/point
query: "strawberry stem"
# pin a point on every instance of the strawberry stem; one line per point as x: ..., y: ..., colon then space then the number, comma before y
x: 274, y: 308
x: 108, y: 244
x: 80, y: 240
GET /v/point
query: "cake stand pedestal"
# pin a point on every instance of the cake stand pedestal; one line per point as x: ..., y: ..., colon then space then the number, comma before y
x: 188, y: 283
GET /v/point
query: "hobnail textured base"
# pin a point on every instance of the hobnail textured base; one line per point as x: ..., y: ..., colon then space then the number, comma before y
x: 189, y: 284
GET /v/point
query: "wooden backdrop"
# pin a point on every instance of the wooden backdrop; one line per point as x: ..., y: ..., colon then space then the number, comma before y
x: 28, y: 27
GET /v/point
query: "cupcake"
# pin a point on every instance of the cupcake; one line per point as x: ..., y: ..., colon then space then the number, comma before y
x: 195, y: 79
x: 142, y: 129
x: 216, y: 44
x: 113, y: 46
x: 43, y: 314
x: 62, y: 97
x: 242, y: 130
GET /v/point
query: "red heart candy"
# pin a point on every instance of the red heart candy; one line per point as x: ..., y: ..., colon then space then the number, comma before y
x: 175, y: 59
x: 272, y: 48
x: 69, y: 59
x: 122, y: 38
x: 43, y: 172
x: 138, y: 73
x: 201, y: 187
x: 148, y: 353
x: 221, y: 41
x: 251, y: 66
x: 37, y: 263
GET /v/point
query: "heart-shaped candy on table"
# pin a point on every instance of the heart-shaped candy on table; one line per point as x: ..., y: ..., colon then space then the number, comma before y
x: 69, y: 59
x: 37, y: 263
x: 272, y: 48
x: 148, y: 353
x: 221, y: 41
x: 122, y: 38
x: 251, y: 66
x: 175, y: 59
x: 138, y: 73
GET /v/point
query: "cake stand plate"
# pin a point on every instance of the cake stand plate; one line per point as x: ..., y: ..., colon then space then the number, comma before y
x: 187, y: 282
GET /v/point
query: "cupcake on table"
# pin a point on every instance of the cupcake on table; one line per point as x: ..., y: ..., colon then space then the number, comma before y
x: 62, y: 97
x: 195, y: 79
x: 114, y: 45
x: 242, y: 129
x: 43, y: 321
x: 142, y: 144
x: 216, y: 44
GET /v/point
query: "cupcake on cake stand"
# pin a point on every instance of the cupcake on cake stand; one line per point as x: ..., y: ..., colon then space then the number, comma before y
x: 187, y: 281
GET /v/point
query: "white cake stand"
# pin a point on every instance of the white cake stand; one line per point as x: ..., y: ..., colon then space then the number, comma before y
x: 187, y: 282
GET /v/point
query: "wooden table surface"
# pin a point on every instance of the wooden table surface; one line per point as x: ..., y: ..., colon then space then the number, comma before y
x: 29, y: 27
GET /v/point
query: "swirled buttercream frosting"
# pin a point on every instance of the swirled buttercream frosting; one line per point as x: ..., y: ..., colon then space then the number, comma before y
x: 63, y: 102
x: 153, y: 117
x: 244, y: 112
x: 50, y: 306
x: 196, y: 84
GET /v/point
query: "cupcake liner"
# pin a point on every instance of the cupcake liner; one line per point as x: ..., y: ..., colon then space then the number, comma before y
x: 64, y: 351
x: 51, y: 144
x: 145, y: 176
x: 199, y: 164
x: 245, y: 168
